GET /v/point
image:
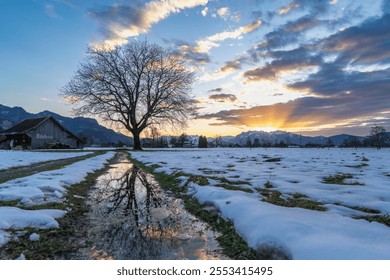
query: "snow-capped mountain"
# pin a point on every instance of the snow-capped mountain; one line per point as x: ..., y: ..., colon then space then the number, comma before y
x: 287, y: 138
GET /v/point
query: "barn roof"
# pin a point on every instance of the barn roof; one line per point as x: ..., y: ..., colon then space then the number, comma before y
x: 28, y: 124
x: 24, y: 126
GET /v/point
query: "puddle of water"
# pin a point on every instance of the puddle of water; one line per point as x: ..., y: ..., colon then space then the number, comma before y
x: 132, y: 218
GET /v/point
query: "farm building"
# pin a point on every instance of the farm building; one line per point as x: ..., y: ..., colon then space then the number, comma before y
x: 39, y: 133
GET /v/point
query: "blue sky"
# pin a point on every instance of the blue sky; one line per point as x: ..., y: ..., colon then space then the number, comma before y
x: 314, y: 67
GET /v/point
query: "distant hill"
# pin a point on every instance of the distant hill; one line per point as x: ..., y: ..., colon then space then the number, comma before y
x: 86, y: 128
x: 341, y: 138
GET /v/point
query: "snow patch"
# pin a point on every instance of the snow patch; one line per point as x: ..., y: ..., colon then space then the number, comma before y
x: 301, y: 233
x: 41, y: 188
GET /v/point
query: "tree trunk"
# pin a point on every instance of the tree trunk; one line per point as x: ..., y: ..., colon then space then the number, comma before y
x: 137, y: 141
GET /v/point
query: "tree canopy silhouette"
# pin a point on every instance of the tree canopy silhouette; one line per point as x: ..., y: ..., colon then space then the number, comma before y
x: 136, y: 85
x: 378, y: 136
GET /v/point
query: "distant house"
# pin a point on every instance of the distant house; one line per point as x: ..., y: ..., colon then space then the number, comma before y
x: 39, y: 133
x: 189, y: 144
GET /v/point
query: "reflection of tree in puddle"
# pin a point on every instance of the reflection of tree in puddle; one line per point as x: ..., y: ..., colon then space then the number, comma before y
x: 129, y: 218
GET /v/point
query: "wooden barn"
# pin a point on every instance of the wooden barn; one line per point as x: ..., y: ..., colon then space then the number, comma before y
x: 39, y: 133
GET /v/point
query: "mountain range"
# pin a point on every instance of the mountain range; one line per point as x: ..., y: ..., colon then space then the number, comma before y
x: 288, y: 138
x: 86, y: 128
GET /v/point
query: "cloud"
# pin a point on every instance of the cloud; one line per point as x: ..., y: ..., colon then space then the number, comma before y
x: 223, y: 97
x: 260, y: 73
x: 190, y: 53
x: 344, y: 20
x: 231, y: 66
x: 204, y: 45
x: 198, y: 52
x: 367, y: 43
x: 204, y: 11
x: 292, y: 33
x: 235, y: 34
x: 194, y: 101
x: 292, y: 60
x: 51, y: 11
x: 223, y: 12
x: 219, y: 89
x: 121, y: 22
x: 331, y: 81
x: 287, y: 9
x: 250, y: 56
x: 314, y: 7
x: 362, y: 62
x: 289, y: 33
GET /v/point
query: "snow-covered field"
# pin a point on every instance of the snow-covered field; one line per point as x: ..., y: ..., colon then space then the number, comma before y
x: 41, y: 188
x: 10, y: 158
x: 303, y: 233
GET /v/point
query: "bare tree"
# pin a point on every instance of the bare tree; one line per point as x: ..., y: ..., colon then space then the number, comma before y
x: 154, y: 134
x: 183, y: 138
x: 136, y: 85
x: 218, y: 140
x: 329, y: 142
x: 378, y: 136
